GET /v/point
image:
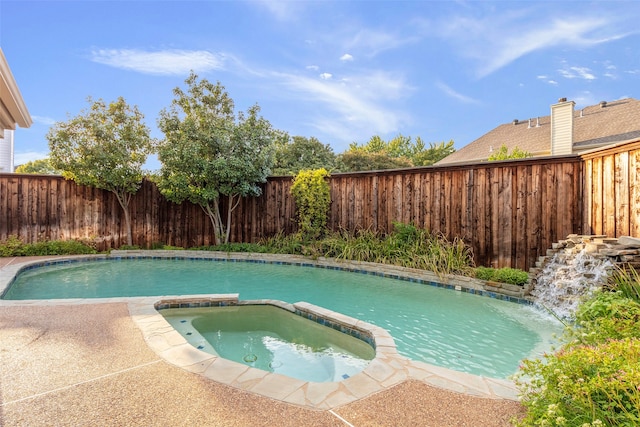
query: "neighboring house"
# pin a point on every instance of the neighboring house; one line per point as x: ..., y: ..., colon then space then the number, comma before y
x: 13, y: 112
x: 565, y: 131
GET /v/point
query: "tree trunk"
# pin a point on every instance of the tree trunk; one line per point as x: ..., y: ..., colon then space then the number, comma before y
x: 230, y: 208
x: 216, y: 221
x: 221, y: 230
x: 124, y: 200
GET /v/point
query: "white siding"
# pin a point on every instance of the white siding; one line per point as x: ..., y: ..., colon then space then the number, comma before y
x: 6, y: 151
x: 562, y: 128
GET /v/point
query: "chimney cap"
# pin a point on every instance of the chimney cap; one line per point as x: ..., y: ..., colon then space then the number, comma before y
x: 515, y: 121
x: 562, y: 100
x: 603, y: 104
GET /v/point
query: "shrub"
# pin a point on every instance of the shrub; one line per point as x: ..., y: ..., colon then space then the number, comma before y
x: 233, y: 247
x: 513, y: 276
x: 58, y: 247
x: 312, y: 195
x: 284, y: 244
x: 162, y: 246
x: 606, y: 315
x: 584, y: 385
x: 129, y: 247
x: 509, y: 275
x: 594, y: 378
x: 13, y: 246
x: 485, y: 273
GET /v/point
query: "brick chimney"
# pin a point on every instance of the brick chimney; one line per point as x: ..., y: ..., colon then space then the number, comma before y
x: 562, y: 127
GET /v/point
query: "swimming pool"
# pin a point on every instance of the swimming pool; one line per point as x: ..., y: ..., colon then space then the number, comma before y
x: 273, y: 339
x: 464, y: 332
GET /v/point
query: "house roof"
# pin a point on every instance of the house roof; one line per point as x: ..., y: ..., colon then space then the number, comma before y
x: 596, y: 125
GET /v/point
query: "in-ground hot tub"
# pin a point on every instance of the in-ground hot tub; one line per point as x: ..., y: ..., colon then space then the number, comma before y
x: 275, y: 339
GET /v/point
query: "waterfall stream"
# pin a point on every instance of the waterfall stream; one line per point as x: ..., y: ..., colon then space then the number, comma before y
x: 568, y: 277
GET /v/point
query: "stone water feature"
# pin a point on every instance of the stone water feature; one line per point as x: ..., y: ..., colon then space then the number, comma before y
x: 575, y: 267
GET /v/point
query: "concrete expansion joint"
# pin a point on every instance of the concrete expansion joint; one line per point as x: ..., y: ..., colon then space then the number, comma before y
x: 91, y: 380
x: 347, y: 423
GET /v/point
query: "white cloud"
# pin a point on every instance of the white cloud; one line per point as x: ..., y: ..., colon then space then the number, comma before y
x: 346, y: 57
x: 164, y: 62
x: 374, y: 41
x: 312, y: 67
x: 456, y: 95
x: 547, y: 80
x: 577, y: 73
x: 497, y: 40
x: 47, y: 121
x: 353, y: 106
x: 610, y: 70
x: 326, y: 76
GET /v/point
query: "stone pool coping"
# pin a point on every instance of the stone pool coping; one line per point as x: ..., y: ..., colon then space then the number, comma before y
x: 385, y: 371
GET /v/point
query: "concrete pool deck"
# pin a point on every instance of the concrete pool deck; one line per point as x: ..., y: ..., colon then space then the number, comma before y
x: 113, y: 362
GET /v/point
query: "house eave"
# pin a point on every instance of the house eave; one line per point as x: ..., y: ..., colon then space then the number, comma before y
x: 13, y: 108
x: 598, y: 151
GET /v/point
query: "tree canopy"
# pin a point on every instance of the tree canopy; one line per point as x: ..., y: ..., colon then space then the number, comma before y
x: 301, y: 153
x: 399, y: 152
x: 104, y: 147
x: 358, y: 160
x: 504, y: 154
x: 39, y: 166
x: 209, y: 152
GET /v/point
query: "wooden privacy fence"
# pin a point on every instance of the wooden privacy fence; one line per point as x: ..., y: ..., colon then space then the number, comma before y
x: 612, y: 191
x: 508, y: 212
x: 44, y: 207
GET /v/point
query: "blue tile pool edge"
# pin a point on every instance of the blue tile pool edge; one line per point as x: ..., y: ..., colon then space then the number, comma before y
x: 381, y: 270
x: 356, y: 328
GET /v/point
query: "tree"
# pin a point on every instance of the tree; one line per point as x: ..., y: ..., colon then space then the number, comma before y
x: 300, y: 153
x: 104, y: 147
x: 40, y: 167
x: 400, y: 151
x: 503, y: 154
x: 359, y: 160
x: 208, y: 152
x: 433, y: 154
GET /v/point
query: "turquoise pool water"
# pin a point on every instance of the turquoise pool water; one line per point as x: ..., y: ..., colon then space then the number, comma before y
x: 460, y: 331
x: 272, y: 339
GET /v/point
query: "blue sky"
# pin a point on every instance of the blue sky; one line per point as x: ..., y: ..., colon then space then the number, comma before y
x: 340, y: 71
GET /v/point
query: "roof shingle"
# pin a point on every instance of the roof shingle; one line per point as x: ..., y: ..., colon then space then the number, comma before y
x: 593, y: 126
